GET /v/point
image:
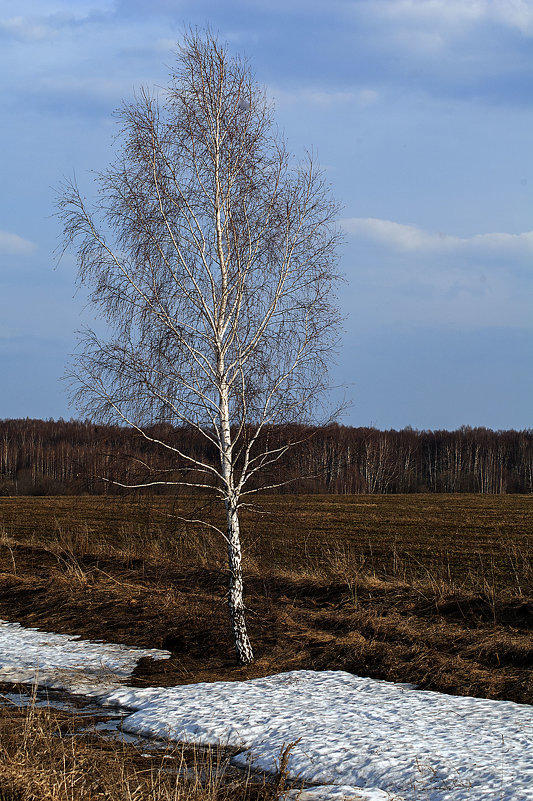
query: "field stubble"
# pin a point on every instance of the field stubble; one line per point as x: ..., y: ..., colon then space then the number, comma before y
x: 436, y: 590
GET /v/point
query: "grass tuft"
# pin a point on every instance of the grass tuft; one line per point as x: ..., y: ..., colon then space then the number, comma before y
x: 50, y: 755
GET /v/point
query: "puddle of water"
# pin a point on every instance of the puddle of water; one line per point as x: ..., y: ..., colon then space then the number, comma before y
x: 50, y: 699
x: 109, y: 727
x: 204, y: 761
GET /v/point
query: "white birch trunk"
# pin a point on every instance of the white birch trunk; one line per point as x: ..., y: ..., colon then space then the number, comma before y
x: 237, y: 610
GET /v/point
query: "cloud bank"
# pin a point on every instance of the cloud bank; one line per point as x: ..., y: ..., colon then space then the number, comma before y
x: 411, y: 238
x: 15, y: 245
x: 321, y: 98
x: 458, y: 13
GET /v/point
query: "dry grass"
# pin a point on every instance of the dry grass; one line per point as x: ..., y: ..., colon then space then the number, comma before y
x: 435, y: 590
x: 471, y: 540
x: 45, y: 756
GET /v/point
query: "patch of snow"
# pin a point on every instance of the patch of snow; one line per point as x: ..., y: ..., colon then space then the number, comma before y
x: 330, y: 792
x: 28, y: 656
x: 354, y: 738
x: 354, y: 733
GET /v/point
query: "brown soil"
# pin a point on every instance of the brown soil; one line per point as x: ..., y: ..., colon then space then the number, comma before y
x: 447, y: 636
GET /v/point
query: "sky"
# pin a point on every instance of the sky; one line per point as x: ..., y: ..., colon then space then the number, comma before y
x: 419, y: 111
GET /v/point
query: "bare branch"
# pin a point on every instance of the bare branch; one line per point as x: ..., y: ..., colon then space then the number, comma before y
x: 211, y: 258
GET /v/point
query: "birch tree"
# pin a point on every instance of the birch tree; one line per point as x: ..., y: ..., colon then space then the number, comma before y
x: 210, y: 255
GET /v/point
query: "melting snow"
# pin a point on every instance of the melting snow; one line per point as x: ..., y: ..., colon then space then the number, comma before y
x: 60, y: 660
x: 355, y: 738
x: 353, y: 732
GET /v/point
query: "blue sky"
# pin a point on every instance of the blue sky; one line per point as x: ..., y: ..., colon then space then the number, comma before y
x: 420, y: 111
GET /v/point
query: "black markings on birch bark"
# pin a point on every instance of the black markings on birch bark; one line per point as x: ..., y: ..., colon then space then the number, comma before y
x: 237, y: 609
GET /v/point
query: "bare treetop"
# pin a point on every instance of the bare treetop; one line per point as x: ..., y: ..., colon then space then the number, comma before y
x: 212, y: 258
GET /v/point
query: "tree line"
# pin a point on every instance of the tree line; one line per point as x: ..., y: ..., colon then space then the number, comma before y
x: 40, y: 457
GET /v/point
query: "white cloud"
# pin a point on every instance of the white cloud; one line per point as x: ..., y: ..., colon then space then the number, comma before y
x: 321, y: 98
x: 502, y: 242
x: 365, y: 97
x: 27, y: 29
x: 458, y: 13
x: 411, y: 238
x: 165, y: 45
x: 309, y: 96
x: 33, y: 26
x: 93, y: 86
x: 15, y: 245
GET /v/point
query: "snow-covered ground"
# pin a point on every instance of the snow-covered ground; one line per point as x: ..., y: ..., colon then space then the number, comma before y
x: 355, y: 737
x: 60, y: 660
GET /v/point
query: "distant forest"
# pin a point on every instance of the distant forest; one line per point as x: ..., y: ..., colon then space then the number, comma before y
x: 60, y: 458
